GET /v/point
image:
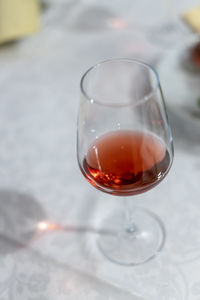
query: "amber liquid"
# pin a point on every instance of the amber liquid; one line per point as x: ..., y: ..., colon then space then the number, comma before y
x: 126, y: 162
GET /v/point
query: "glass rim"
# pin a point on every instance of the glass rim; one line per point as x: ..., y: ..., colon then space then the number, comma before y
x: 139, y: 62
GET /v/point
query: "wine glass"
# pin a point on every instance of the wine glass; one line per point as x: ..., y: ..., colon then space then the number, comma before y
x: 125, y: 148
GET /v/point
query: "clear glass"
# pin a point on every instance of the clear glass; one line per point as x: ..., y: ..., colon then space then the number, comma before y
x: 124, y: 148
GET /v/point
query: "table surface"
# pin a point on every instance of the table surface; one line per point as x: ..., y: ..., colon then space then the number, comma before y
x: 49, y: 214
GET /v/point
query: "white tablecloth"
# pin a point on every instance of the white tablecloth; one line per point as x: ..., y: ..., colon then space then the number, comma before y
x: 48, y: 212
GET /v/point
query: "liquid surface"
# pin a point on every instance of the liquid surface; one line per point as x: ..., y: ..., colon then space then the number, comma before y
x: 126, y: 162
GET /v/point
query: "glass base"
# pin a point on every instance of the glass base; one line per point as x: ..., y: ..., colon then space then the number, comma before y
x: 135, y: 245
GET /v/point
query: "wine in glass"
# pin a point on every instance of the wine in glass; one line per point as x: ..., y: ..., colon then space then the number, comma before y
x: 124, y: 148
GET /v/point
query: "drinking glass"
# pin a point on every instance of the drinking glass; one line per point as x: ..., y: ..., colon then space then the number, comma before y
x: 125, y: 148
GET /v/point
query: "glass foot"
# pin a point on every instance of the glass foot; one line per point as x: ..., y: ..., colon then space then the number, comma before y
x: 135, y: 245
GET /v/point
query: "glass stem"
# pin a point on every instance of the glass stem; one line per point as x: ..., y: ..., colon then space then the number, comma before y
x: 129, y: 224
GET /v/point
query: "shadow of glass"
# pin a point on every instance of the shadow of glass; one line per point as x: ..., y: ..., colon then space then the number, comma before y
x: 79, y: 229
x: 19, y: 216
x: 48, y: 226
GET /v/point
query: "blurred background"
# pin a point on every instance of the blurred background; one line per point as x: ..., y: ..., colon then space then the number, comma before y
x: 45, y: 47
